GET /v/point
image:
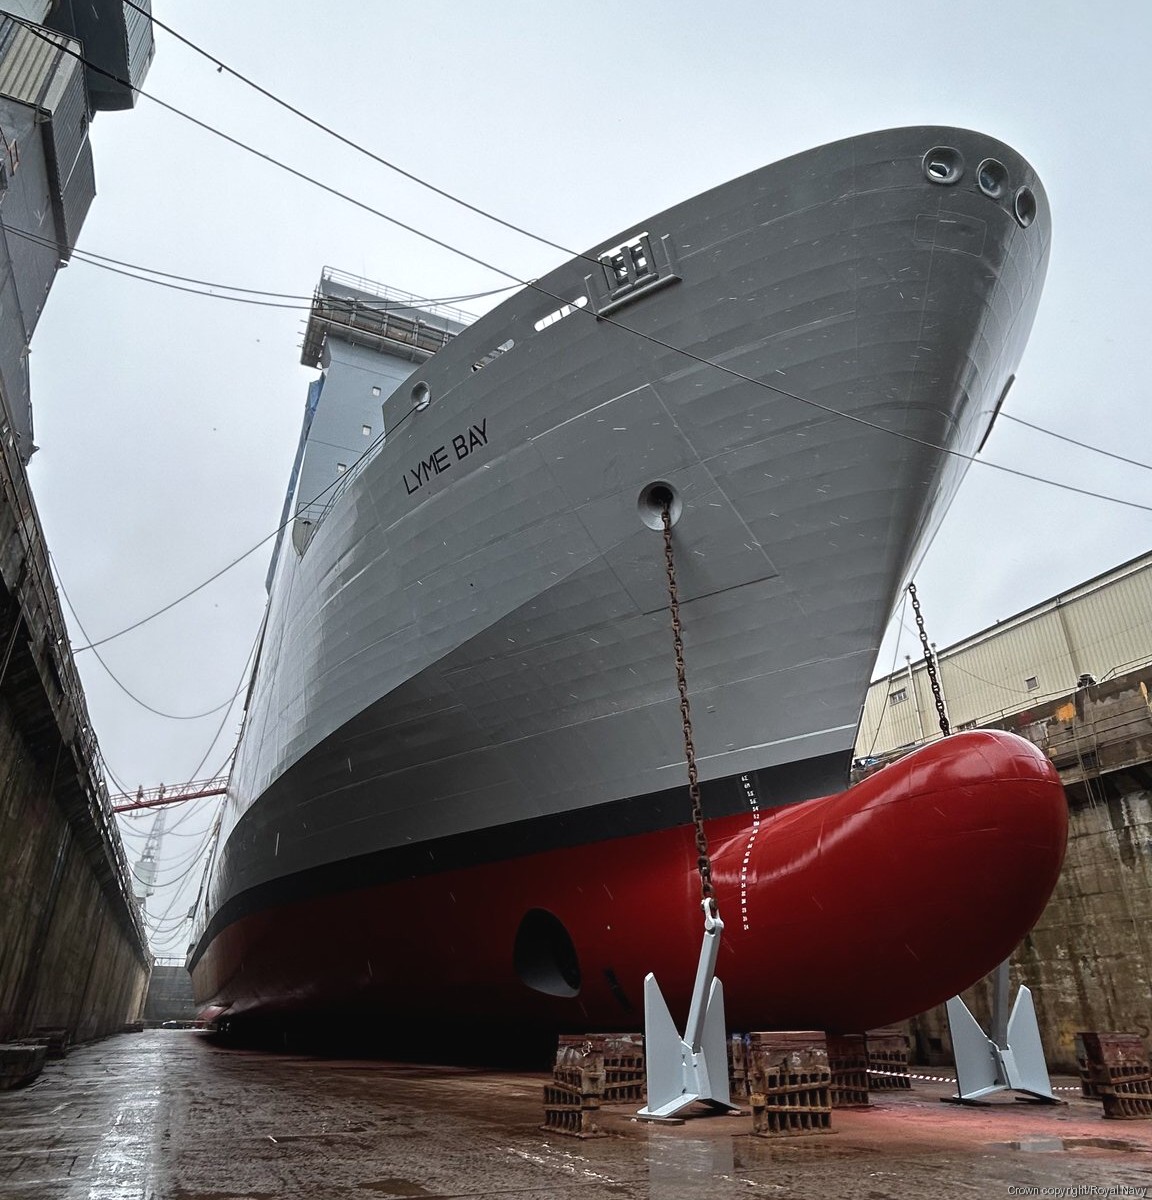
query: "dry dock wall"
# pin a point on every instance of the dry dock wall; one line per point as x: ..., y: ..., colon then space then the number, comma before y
x: 1088, y: 961
x: 72, y: 949
x: 169, y: 995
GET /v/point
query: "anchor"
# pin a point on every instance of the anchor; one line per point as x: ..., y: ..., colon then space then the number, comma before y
x: 684, y: 1070
x: 1010, y: 1059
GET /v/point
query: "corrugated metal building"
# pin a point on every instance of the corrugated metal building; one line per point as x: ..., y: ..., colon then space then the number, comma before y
x: 1101, y: 628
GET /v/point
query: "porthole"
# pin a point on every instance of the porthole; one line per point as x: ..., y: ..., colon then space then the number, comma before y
x: 421, y: 396
x: 992, y: 176
x: 652, y: 501
x: 1024, y: 206
x: 943, y: 164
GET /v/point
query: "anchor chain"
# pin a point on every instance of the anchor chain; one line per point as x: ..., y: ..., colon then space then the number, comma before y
x: 930, y: 664
x: 703, y: 861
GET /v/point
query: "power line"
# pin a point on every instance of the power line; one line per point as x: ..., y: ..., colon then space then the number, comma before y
x: 372, y: 446
x: 119, y: 683
x: 177, y: 864
x: 177, y: 885
x: 208, y: 865
x: 185, y: 596
x: 391, y: 166
x: 827, y: 409
x: 1073, y: 442
x: 536, y: 286
x: 268, y: 158
x: 249, y: 664
x: 182, y: 868
x: 129, y: 270
x: 142, y: 833
x: 108, y: 770
x: 651, y: 339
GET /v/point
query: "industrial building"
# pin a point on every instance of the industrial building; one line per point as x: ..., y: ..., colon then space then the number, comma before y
x: 1092, y: 633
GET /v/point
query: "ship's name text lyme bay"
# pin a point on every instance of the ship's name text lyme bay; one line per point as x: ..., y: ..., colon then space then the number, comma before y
x: 443, y: 457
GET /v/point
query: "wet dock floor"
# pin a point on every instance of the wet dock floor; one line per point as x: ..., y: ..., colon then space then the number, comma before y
x: 171, y: 1115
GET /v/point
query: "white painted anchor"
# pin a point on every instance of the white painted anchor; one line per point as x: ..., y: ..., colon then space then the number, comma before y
x: 684, y: 1070
x: 1010, y: 1059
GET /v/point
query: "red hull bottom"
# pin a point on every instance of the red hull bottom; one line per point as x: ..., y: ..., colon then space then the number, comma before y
x: 841, y: 913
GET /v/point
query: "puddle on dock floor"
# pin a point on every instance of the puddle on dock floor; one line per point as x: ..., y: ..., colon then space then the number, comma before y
x: 395, y: 1187
x: 1053, y: 1145
x: 180, y: 1117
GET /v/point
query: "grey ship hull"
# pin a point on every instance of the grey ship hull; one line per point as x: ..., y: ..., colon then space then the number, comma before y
x: 468, y: 658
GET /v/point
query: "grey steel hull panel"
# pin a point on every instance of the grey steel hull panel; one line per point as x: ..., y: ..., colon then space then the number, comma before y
x: 486, y: 642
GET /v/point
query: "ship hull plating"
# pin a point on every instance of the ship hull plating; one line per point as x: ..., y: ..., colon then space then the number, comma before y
x: 471, y: 646
x: 842, y: 913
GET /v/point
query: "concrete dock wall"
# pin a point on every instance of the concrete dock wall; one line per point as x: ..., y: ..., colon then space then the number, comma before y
x: 73, y: 954
x: 169, y: 995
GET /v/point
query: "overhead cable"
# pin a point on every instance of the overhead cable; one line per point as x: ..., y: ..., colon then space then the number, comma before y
x: 116, y: 680
x: 1132, y: 462
x: 535, y: 285
x: 347, y: 141
x: 108, y: 770
x: 370, y: 449
x: 268, y: 158
x: 128, y: 818
x: 244, y: 678
x: 130, y: 271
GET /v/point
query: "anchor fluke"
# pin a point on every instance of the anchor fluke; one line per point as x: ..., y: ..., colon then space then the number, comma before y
x: 1011, y: 1059
x: 694, y: 1068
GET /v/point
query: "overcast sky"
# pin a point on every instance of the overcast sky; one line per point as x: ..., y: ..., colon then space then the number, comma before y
x: 167, y: 422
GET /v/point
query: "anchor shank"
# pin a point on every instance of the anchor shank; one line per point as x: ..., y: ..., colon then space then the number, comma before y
x: 1000, y: 1008
x: 705, y: 973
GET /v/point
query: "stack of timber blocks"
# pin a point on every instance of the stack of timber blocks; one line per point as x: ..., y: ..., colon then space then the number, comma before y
x: 625, y: 1077
x: 888, y: 1059
x: 738, y: 1067
x: 848, y: 1062
x: 789, y: 1083
x: 572, y: 1099
x: 1114, y: 1069
x: 591, y: 1070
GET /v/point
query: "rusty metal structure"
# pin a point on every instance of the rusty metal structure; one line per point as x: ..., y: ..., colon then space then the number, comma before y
x: 160, y: 796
